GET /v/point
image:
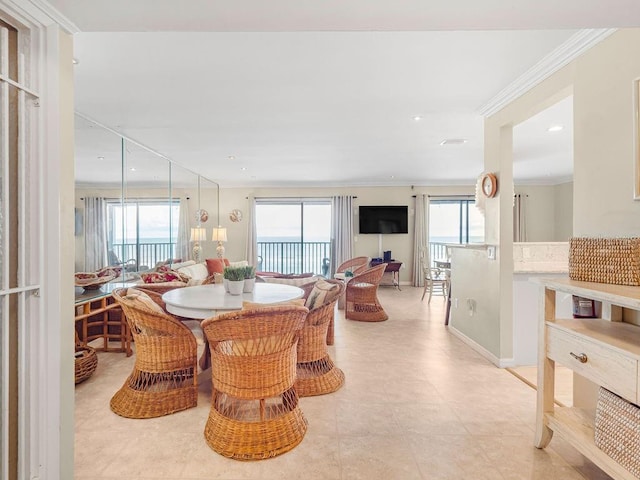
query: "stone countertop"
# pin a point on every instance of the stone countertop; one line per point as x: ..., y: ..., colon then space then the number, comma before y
x: 540, y: 267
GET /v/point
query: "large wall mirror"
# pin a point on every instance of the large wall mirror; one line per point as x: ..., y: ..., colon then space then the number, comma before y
x: 134, y: 208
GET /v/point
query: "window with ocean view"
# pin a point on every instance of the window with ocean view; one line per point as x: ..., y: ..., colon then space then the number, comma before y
x: 142, y: 233
x: 454, y: 220
x: 293, y: 236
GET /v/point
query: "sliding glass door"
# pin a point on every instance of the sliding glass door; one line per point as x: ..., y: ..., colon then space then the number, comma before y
x: 294, y: 236
x: 453, y: 221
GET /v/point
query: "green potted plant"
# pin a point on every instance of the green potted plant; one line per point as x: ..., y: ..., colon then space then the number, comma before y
x: 249, y: 278
x: 234, y: 279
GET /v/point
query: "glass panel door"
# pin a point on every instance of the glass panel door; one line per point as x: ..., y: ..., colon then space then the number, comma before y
x: 293, y: 236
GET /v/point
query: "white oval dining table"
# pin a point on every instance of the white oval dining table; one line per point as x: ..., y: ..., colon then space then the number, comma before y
x: 204, y: 301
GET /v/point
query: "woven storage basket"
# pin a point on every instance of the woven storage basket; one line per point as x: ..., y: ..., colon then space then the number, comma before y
x: 617, y: 430
x: 605, y: 260
x: 86, y: 363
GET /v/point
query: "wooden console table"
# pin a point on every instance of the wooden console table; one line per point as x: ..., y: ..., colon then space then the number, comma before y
x: 604, y: 350
x: 97, y: 315
x: 391, y: 272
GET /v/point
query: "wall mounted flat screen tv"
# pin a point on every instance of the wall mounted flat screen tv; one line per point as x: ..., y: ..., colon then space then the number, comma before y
x: 384, y: 219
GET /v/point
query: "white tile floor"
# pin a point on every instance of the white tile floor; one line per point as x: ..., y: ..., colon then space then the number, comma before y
x: 417, y: 404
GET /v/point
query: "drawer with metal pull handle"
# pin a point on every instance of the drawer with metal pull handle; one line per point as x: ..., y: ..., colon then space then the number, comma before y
x: 601, y: 363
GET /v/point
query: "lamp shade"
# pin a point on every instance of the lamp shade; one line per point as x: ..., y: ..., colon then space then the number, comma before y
x: 219, y: 234
x: 198, y: 234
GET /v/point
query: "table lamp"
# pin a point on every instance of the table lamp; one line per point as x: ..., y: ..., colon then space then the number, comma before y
x: 198, y: 234
x: 220, y: 236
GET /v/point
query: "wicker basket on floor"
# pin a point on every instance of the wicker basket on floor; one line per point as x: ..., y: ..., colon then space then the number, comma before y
x: 617, y: 430
x: 605, y: 260
x: 86, y: 362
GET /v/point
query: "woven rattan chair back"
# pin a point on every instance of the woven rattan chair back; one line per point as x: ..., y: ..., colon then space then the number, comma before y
x: 254, y: 407
x: 161, y: 287
x: 362, y: 296
x: 163, y: 379
x: 356, y: 265
x: 308, y: 288
x: 316, y: 372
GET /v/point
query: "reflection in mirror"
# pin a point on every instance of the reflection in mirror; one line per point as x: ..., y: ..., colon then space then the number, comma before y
x: 98, y: 171
x: 543, y: 175
x: 140, y: 229
x: 209, y: 201
x: 135, y: 209
x: 184, y: 190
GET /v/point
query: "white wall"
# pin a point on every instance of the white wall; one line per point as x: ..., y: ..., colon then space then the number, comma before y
x: 563, y: 208
x: 604, y: 138
x: 548, y: 211
x: 602, y: 84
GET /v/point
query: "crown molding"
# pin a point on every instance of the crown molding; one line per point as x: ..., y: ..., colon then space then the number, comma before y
x: 54, y: 14
x: 575, y: 46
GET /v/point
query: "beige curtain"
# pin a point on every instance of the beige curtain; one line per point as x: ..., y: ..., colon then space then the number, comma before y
x: 420, y: 239
x: 95, y: 233
x: 341, y: 230
x: 252, y: 239
x: 519, y: 218
x: 183, y: 252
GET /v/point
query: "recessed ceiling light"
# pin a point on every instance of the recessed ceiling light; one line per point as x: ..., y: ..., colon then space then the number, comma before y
x: 100, y: 158
x: 555, y: 128
x: 417, y: 118
x: 243, y: 168
x: 392, y: 177
x: 133, y: 169
x: 76, y: 61
x: 453, y: 141
x: 231, y: 157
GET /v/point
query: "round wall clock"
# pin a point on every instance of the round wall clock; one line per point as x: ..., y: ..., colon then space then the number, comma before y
x: 235, y: 215
x: 489, y: 185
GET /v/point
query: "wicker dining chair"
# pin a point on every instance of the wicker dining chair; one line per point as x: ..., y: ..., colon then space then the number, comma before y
x: 308, y: 288
x: 254, y: 405
x: 316, y: 372
x: 164, y: 377
x: 356, y: 265
x: 362, y: 296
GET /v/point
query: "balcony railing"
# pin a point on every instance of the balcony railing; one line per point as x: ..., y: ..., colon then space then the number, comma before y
x: 283, y: 257
x: 145, y: 255
x: 294, y: 257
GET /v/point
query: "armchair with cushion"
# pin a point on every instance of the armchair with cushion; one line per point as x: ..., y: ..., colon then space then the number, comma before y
x: 316, y: 372
x: 255, y: 412
x: 356, y: 265
x: 164, y: 377
x: 362, y: 296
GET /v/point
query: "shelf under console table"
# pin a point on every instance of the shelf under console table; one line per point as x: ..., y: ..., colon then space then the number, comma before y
x: 98, y: 316
x: 605, y: 350
x: 391, y: 275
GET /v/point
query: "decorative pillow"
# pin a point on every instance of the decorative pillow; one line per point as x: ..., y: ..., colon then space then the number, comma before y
x: 216, y: 265
x: 323, y: 292
x: 197, y: 273
x: 177, y: 265
x: 164, y: 275
x: 144, y: 299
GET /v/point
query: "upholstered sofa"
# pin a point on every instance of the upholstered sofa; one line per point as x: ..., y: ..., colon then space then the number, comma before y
x: 187, y: 274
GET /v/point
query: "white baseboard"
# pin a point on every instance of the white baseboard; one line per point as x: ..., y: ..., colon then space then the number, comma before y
x: 498, y: 362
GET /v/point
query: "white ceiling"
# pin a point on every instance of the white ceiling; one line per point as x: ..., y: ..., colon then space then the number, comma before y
x: 314, y: 108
